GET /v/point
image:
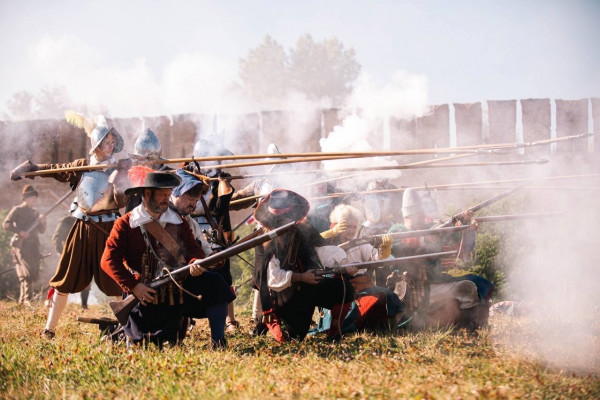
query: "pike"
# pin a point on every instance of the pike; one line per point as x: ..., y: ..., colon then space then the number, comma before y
x: 316, y: 156
x: 370, y: 265
x: 441, y: 231
x: 122, y: 308
x: 463, y: 185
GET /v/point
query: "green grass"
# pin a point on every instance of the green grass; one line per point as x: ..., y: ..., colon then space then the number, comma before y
x: 442, y: 364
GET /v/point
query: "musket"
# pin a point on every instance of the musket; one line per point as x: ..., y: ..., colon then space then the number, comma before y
x: 514, y: 217
x: 370, y: 265
x: 122, y: 308
x: 106, y: 325
x: 450, y: 221
x: 16, y: 239
x: 8, y: 270
x: 48, y: 211
x: 402, y: 235
x: 441, y: 231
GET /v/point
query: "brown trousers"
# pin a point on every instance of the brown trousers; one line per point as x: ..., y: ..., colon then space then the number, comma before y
x: 28, y: 268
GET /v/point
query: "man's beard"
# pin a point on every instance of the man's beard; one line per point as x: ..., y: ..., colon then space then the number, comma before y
x: 157, y: 207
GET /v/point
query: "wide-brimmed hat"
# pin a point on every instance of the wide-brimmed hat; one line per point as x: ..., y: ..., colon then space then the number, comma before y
x: 157, y: 180
x: 280, y: 207
x: 29, y: 191
x: 188, y: 181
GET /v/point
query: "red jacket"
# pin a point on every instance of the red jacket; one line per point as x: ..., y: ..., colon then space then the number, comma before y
x: 126, y: 245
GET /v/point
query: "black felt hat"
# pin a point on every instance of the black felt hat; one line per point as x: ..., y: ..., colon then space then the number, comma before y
x: 157, y: 180
x: 280, y: 207
x: 29, y: 191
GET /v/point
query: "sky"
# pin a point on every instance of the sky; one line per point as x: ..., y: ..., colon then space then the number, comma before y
x: 156, y: 57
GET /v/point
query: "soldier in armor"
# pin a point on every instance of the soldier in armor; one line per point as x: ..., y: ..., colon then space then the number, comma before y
x: 141, y: 245
x: 147, y: 148
x: 288, y: 286
x: 26, y: 223
x: 96, y: 207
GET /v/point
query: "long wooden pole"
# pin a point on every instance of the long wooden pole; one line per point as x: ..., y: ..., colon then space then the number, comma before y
x: 316, y: 156
x: 455, y: 185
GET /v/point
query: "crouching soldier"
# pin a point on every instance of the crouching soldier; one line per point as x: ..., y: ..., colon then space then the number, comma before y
x: 147, y: 240
x: 289, y: 288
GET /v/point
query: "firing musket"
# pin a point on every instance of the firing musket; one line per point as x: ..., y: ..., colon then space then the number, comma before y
x: 515, y: 217
x: 456, y: 217
x: 402, y: 235
x: 122, y: 308
x: 371, y: 265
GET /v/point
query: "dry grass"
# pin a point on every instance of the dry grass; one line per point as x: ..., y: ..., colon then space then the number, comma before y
x: 443, y: 364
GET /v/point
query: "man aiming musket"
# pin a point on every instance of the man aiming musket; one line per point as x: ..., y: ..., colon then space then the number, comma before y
x: 99, y: 197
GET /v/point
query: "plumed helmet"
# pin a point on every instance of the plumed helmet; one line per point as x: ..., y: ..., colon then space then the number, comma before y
x: 411, y: 203
x: 98, y: 135
x: 147, y: 146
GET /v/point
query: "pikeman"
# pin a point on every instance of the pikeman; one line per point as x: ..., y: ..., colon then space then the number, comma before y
x: 26, y: 223
x: 289, y: 288
x: 375, y: 307
x: 96, y: 207
x: 145, y: 242
x: 435, y: 298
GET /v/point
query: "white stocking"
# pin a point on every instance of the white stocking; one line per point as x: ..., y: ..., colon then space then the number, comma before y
x: 59, y: 302
x: 256, y: 307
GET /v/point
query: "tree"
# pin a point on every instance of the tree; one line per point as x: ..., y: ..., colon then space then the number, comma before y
x: 323, y: 70
x: 320, y: 70
x: 263, y: 72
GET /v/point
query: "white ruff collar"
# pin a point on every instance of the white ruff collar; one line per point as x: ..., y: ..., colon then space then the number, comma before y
x: 139, y: 216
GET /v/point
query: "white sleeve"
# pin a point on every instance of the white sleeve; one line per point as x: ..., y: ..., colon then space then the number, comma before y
x: 277, y: 278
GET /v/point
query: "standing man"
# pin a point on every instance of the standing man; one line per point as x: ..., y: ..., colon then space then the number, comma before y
x: 141, y: 245
x: 96, y: 207
x: 26, y: 222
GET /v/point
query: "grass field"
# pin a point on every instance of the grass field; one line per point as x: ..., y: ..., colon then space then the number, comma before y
x: 425, y: 365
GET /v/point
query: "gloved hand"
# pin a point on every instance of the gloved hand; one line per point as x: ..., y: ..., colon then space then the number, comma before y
x: 336, y: 230
x: 386, y: 246
x: 27, y: 166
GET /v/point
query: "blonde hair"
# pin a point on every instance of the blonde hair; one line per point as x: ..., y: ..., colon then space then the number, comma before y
x: 344, y: 212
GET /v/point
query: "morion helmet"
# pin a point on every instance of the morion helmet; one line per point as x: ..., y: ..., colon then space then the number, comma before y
x: 101, y: 131
x: 147, y: 146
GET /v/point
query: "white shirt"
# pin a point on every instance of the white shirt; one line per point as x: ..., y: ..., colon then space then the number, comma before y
x: 140, y: 216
